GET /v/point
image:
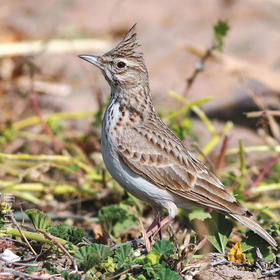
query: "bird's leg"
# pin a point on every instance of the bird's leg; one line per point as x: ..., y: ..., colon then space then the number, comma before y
x: 155, y: 223
x: 158, y: 226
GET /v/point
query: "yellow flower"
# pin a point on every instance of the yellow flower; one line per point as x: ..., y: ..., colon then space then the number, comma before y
x: 236, y: 255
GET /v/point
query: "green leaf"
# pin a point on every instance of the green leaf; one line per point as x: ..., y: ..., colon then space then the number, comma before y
x: 220, y: 30
x: 220, y: 229
x: 168, y: 274
x: 153, y: 257
x: 141, y: 277
x: 151, y: 270
x: 223, y: 238
x: 198, y: 213
x: 109, y: 265
x: 246, y: 247
x: 275, y: 229
x: 132, y: 201
x: 50, y: 268
x: 161, y: 271
x: 164, y: 248
x: 67, y: 276
x: 32, y: 269
x: 39, y: 219
x: 91, y: 255
x: 116, y: 219
x: 55, y: 126
x: 122, y: 253
x: 214, y: 240
x: 102, y: 250
x: 252, y: 242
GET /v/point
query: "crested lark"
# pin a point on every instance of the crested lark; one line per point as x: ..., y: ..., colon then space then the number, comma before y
x: 144, y: 156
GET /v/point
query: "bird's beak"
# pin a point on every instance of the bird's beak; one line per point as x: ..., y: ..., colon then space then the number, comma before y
x: 93, y: 59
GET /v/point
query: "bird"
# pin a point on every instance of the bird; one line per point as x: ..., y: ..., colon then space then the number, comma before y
x: 144, y: 156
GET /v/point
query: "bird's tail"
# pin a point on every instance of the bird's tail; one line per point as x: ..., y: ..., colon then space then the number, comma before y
x: 255, y: 227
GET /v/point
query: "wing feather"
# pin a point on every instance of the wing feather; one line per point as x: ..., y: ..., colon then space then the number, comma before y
x: 163, y: 160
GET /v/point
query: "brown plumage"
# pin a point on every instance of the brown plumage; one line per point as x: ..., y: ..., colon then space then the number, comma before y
x: 144, y: 155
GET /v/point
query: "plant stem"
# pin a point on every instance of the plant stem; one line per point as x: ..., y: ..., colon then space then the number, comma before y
x: 52, y: 117
x: 54, y: 158
x: 242, y: 167
x: 266, y: 169
x: 32, y: 236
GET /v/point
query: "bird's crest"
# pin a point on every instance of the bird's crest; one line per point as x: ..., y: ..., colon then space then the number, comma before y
x: 127, y: 47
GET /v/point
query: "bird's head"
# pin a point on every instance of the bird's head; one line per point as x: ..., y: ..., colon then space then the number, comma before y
x: 124, y: 65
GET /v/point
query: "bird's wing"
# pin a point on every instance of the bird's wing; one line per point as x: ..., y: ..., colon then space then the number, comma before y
x: 152, y: 151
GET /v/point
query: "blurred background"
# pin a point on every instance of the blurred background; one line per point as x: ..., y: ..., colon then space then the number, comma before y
x: 167, y: 30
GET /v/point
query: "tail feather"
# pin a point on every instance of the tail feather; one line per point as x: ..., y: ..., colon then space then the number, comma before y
x: 255, y: 227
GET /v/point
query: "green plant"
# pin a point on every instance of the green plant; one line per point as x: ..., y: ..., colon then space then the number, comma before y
x: 252, y: 242
x: 116, y: 219
x: 164, y: 247
x: 66, y: 232
x: 122, y: 254
x: 91, y: 255
x: 39, y: 219
x: 220, y: 31
x: 220, y: 228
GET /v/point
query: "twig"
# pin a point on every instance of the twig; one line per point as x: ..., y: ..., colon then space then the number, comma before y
x: 239, y: 67
x: 197, y: 247
x: 47, y: 87
x: 19, y: 216
x: 219, y: 261
x: 272, y: 123
x: 264, y: 205
x: 263, y: 113
x: 124, y: 272
x: 34, y: 120
x: 200, y: 244
x: 260, y: 148
x: 53, y: 46
x: 56, y: 143
x: 266, y: 188
x: 221, y: 158
x: 14, y: 241
x: 54, y: 158
x: 187, y: 240
x: 262, y: 174
x: 23, y: 264
x: 199, y: 67
x: 24, y: 275
x: 242, y: 167
x: 134, y: 242
x: 53, y: 239
x: 23, y: 236
x: 145, y: 237
x: 33, y: 236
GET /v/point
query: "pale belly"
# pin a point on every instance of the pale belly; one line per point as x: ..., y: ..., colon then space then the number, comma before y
x: 128, y: 179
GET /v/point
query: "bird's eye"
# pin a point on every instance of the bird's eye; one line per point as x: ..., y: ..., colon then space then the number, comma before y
x: 121, y: 64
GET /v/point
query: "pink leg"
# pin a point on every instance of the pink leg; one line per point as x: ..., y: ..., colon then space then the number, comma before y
x: 157, y: 225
